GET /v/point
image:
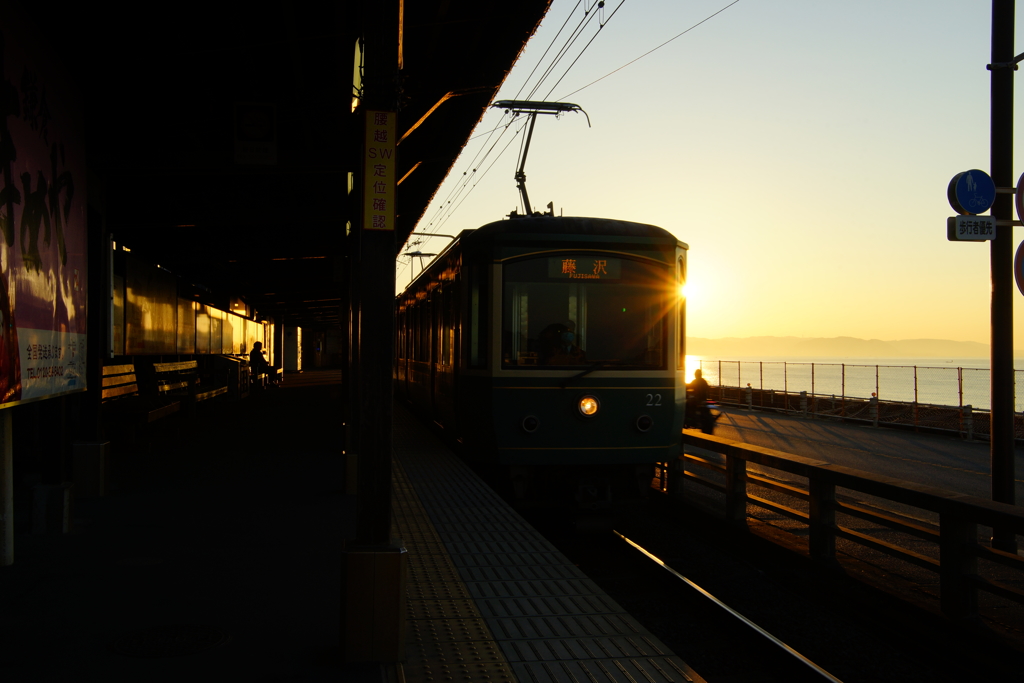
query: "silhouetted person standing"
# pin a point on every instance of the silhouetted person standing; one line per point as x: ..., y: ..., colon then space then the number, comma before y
x: 697, y: 403
x: 698, y: 387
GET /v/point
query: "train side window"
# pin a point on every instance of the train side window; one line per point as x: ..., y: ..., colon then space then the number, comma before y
x: 400, y: 334
x: 426, y: 330
x: 410, y: 330
x: 437, y: 308
x: 418, y: 322
x: 447, y: 328
x: 477, y: 326
x: 421, y: 336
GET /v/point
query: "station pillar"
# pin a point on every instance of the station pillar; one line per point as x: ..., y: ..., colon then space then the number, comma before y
x: 374, y: 569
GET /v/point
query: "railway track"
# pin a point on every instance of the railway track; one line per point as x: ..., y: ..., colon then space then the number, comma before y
x: 781, y: 648
x: 838, y: 628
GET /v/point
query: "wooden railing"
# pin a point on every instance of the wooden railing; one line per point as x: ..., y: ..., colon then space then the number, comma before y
x: 955, y: 535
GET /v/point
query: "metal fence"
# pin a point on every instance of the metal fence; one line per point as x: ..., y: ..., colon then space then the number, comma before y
x: 945, y: 533
x: 949, y: 398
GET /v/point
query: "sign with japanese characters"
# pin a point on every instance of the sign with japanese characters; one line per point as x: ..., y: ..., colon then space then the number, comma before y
x: 970, y: 228
x: 42, y: 222
x: 379, y: 171
x: 584, y: 268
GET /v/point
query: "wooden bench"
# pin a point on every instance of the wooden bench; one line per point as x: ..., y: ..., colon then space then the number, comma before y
x: 182, y: 378
x: 262, y: 380
x: 121, y: 395
x: 175, y: 378
x: 210, y: 393
x: 258, y: 380
x: 118, y: 382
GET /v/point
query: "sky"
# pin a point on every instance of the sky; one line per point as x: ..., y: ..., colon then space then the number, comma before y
x: 801, y: 148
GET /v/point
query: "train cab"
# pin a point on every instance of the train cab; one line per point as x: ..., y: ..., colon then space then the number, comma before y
x: 551, y: 344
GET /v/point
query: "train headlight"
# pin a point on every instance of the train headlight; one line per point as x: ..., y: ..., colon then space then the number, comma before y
x: 644, y: 423
x: 588, y: 406
x: 530, y: 424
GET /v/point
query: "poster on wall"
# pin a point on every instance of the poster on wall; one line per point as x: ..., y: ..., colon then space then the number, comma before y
x: 42, y: 223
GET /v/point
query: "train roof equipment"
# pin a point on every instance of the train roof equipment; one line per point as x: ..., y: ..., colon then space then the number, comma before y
x: 531, y: 109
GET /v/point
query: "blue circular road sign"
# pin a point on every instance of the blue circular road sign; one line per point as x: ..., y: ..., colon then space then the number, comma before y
x: 1018, y: 267
x: 971, y: 192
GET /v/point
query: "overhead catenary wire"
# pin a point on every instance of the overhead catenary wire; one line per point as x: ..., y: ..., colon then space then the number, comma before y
x: 487, y: 132
x: 463, y: 183
x: 459, y: 186
x: 453, y: 201
x: 592, y: 39
x: 546, y: 50
x: 482, y: 175
x: 577, y: 32
x: 461, y: 190
x: 458, y: 194
x: 447, y: 209
x: 708, y: 18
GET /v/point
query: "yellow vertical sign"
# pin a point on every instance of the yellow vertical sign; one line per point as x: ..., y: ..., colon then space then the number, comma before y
x: 379, y: 171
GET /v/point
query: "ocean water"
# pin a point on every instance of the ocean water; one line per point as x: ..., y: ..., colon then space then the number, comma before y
x: 935, y: 381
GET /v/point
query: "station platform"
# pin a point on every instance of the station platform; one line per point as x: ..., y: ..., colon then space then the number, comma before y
x: 490, y: 599
x: 217, y: 555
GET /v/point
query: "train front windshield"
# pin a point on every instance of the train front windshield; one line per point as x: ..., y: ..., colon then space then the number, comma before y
x: 585, y: 309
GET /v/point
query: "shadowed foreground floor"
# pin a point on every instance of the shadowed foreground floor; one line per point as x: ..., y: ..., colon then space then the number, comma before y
x: 217, y: 556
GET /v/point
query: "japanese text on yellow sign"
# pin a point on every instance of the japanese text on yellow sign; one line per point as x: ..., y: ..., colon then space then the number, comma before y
x: 379, y: 171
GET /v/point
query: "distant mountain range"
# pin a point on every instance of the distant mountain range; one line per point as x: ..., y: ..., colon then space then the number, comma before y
x: 835, y: 347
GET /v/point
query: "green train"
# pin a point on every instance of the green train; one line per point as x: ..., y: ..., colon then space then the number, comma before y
x: 552, y: 350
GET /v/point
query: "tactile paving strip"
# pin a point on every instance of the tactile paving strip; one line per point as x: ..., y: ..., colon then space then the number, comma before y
x: 446, y: 640
x: 490, y: 599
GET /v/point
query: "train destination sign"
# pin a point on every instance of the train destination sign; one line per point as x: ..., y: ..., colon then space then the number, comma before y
x: 970, y: 228
x: 971, y: 192
x: 584, y: 268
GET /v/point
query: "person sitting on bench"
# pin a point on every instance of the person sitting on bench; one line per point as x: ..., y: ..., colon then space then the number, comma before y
x: 258, y: 365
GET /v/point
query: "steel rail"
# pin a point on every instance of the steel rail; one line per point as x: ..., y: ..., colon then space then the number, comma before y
x: 824, y: 674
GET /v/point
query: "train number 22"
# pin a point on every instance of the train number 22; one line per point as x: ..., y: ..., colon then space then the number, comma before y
x: 654, y: 399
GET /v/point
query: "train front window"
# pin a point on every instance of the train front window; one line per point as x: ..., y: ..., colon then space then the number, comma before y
x: 581, y: 309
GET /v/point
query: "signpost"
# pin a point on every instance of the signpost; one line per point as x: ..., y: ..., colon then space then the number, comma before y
x: 971, y: 192
x: 970, y: 228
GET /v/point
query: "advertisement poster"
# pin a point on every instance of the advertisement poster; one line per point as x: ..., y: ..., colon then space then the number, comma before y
x: 42, y: 224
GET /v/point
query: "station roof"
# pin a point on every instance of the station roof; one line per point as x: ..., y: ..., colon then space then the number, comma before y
x: 168, y: 96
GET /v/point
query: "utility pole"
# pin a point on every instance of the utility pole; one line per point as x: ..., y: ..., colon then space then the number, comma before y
x: 1001, y: 262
